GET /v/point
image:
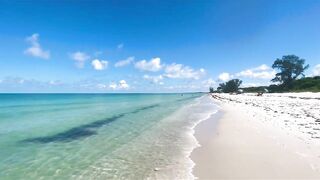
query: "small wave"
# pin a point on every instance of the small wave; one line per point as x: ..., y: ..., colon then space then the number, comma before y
x: 197, y: 142
x: 206, y: 108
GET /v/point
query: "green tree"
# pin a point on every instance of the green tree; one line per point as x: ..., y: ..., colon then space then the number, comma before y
x: 290, y: 67
x: 230, y: 86
x: 211, y: 90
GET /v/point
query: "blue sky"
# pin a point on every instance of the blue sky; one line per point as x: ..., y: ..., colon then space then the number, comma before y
x: 151, y: 46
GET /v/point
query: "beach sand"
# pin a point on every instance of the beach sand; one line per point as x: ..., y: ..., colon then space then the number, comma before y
x: 247, y: 142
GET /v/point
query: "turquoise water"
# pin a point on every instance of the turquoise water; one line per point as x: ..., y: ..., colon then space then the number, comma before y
x: 99, y: 136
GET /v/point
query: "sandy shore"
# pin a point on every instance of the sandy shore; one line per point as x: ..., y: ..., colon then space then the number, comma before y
x: 260, y: 138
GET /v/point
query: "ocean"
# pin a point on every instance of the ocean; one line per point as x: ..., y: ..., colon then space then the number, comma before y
x: 99, y: 136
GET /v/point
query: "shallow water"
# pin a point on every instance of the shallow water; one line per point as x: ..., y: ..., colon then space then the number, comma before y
x: 99, y: 136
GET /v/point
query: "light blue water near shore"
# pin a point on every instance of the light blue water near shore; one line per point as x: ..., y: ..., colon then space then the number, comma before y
x: 99, y: 136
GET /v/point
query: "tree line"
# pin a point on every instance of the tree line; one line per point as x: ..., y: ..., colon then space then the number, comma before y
x: 290, y: 77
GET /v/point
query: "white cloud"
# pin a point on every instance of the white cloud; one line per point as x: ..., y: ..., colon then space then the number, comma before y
x: 125, y: 62
x: 120, y: 86
x: 184, y: 87
x: 224, y: 76
x: 18, y: 81
x: 123, y: 84
x: 153, y: 65
x: 316, y: 70
x: 208, y: 83
x: 154, y: 79
x: 258, y: 75
x: 99, y: 64
x: 255, y: 84
x: 55, y: 82
x: 250, y: 84
x: 101, y: 86
x: 113, y: 85
x: 79, y: 58
x: 35, y: 49
x: 260, y: 72
x: 174, y: 71
x: 120, y: 46
x: 262, y: 67
x: 182, y: 72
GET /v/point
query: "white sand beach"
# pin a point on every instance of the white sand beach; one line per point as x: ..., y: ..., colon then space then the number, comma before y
x: 274, y: 136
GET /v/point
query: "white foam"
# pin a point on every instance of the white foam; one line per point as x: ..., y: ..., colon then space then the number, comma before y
x: 191, y: 133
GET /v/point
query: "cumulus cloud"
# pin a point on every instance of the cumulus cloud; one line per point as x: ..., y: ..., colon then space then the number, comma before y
x: 316, y: 70
x: 122, y: 84
x: 99, y: 64
x: 182, y: 72
x: 224, y: 76
x: 154, y: 79
x: 35, y: 48
x: 208, y: 83
x: 125, y: 62
x: 262, y: 67
x: 113, y: 85
x: 260, y: 72
x: 79, y: 58
x: 153, y: 65
x: 173, y: 71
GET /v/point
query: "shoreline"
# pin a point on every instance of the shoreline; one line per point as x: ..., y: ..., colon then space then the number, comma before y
x: 234, y: 144
x: 202, y: 132
x: 193, y: 131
